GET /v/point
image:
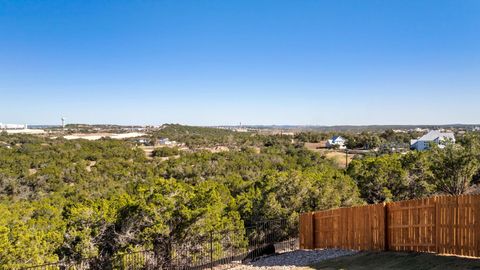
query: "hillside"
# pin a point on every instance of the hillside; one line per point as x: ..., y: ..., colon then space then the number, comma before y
x: 68, y: 200
x: 74, y: 199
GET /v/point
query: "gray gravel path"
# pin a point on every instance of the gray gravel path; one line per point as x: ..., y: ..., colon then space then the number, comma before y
x: 298, y: 259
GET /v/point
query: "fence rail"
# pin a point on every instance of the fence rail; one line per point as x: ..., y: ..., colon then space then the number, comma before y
x: 200, y: 252
x: 443, y: 224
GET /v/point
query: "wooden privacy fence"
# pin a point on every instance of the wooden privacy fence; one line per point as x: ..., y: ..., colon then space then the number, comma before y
x: 361, y: 228
x: 444, y: 224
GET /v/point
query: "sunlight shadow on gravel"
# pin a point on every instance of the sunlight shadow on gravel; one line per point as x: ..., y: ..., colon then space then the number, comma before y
x: 294, y: 259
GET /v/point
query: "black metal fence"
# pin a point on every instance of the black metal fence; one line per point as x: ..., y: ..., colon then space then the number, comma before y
x: 200, y: 252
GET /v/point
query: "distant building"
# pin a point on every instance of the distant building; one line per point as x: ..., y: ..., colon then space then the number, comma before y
x: 98, y: 136
x: 19, y: 129
x: 24, y: 131
x: 143, y: 141
x: 336, y: 142
x: 13, y: 126
x: 419, y: 130
x: 432, y: 137
x: 166, y: 141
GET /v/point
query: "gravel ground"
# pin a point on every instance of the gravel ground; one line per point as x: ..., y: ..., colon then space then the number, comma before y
x: 298, y: 259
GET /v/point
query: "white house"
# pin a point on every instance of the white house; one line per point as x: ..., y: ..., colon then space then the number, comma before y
x: 166, y: 142
x: 336, y: 141
x: 434, y: 136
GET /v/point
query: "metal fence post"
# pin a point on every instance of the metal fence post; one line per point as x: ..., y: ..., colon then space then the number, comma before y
x: 211, y: 250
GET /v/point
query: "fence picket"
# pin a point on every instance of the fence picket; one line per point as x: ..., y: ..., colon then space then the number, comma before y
x: 442, y: 224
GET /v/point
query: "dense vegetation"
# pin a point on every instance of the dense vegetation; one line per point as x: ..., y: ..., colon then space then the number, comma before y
x: 68, y: 200
x: 364, y: 139
x: 417, y: 174
x: 165, y: 152
x: 197, y: 137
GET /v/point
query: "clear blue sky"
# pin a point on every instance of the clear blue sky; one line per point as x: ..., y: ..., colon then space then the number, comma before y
x: 256, y: 62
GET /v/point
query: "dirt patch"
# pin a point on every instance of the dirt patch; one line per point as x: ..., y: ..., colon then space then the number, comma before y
x: 32, y: 171
x: 338, y: 156
x: 216, y: 149
x: 148, y: 150
x: 316, y: 146
x: 90, y: 165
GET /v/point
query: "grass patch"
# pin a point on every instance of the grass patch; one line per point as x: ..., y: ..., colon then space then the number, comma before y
x: 398, y: 260
x: 338, y: 156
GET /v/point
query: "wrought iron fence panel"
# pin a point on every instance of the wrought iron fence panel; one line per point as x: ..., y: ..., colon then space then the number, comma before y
x: 199, y: 251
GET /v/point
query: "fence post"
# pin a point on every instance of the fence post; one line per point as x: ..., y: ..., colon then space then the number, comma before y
x: 313, y: 231
x: 476, y: 217
x: 211, y: 250
x: 437, y: 224
x: 307, y: 231
x: 387, y: 231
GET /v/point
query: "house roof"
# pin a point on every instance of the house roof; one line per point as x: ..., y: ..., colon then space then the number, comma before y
x: 434, y: 134
x: 334, y: 138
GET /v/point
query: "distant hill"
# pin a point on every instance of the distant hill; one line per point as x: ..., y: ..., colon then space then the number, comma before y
x: 354, y: 127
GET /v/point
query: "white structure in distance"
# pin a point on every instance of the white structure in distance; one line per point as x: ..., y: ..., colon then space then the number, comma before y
x: 19, y: 129
x: 337, y: 142
x: 432, y: 137
x: 13, y: 126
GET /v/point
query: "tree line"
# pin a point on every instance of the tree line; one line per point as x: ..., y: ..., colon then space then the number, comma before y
x: 70, y: 200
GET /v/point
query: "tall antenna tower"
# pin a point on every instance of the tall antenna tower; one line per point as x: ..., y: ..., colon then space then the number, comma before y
x: 63, y: 122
